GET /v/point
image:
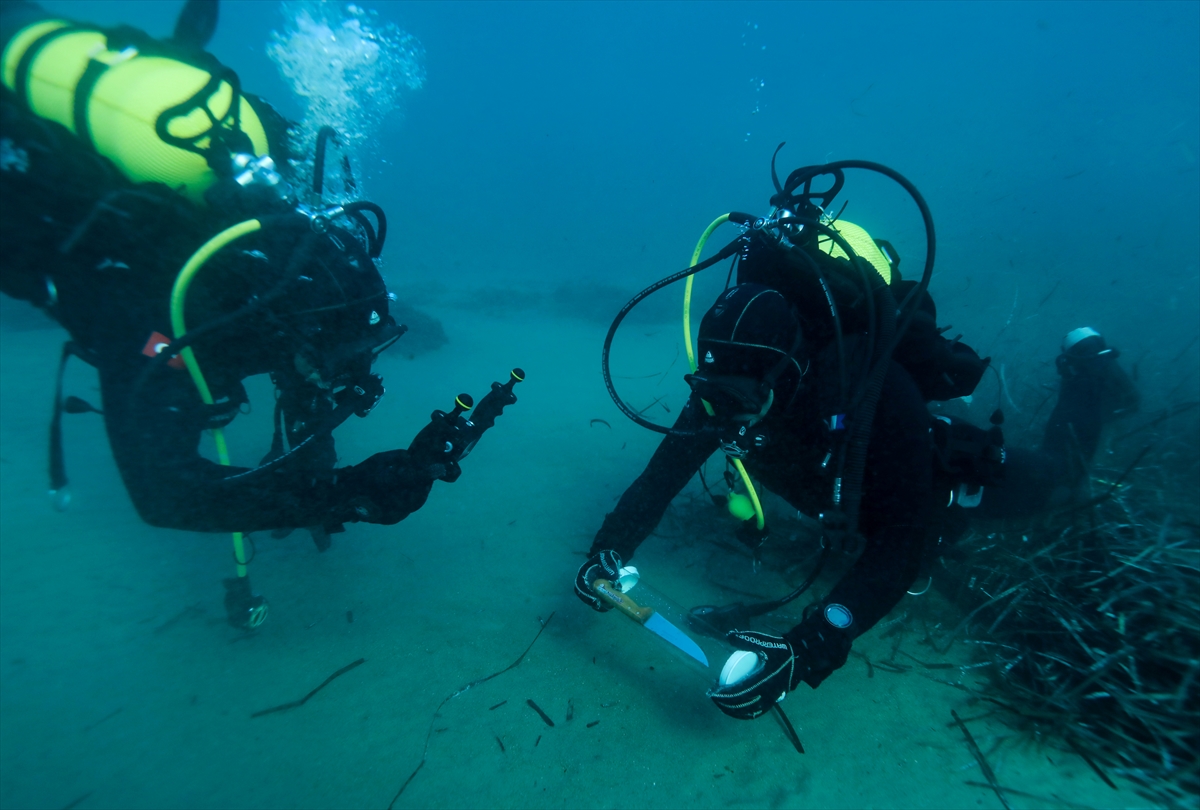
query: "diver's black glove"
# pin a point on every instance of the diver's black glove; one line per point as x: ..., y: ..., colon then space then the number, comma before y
x: 605, y: 564
x: 810, y: 652
x: 969, y: 454
x: 777, y: 674
x: 386, y: 488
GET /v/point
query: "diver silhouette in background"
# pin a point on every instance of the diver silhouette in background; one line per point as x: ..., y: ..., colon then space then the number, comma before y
x: 150, y: 208
x: 813, y: 374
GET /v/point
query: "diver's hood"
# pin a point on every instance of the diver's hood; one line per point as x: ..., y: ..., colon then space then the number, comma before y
x: 751, y: 351
x: 323, y: 296
x: 343, y: 309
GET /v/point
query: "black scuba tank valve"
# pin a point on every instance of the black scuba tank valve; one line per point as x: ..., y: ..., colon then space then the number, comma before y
x: 781, y: 227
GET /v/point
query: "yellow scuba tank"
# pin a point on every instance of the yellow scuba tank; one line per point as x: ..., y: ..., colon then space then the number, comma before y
x: 857, y: 237
x: 157, y: 118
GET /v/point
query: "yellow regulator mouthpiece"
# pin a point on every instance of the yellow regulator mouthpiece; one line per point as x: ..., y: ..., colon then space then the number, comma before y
x: 740, y: 506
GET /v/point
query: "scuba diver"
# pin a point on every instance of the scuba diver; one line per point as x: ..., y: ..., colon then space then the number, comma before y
x: 151, y: 209
x: 813, y: 372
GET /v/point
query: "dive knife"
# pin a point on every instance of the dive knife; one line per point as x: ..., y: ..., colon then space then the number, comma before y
x: 646, y: 617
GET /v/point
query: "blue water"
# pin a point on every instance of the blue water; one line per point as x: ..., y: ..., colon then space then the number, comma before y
x: 553, y: 159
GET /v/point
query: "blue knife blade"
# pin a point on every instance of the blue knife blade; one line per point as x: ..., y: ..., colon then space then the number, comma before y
x: 669, y: 632
x: 648, y: 618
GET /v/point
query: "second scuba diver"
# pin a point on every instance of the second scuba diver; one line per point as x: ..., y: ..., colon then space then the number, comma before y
x: 813, y: 374
x: 151, y: 209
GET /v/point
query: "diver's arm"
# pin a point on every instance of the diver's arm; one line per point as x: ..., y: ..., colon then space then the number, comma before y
x: 644, y: 502
x: 155, y: 440
x: 1094, y: 391
x: 896, y: 499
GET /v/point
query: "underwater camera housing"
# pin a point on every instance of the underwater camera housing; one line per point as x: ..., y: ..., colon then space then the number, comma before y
x: 451, y: 436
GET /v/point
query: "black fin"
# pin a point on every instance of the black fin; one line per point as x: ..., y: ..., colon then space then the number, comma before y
x: 196, y: 24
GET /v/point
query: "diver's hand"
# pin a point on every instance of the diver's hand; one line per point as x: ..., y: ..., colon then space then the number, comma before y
x: 821, y: 647
x: 386, y: 488
x: 777, y: 673
x: 604, y: 564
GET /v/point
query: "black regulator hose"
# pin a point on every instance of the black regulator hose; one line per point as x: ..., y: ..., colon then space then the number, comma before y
x: 869, y: 292
x: 717, y: 621
x: 722, y: 254
x: 323, y: 136
x: 891, y: 331
x: 930, y: 237
x: 864, y: 417
x: 851, y: 462
x: 375, y: 236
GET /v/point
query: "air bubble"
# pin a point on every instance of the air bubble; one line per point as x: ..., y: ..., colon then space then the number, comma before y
x: 349, y: 69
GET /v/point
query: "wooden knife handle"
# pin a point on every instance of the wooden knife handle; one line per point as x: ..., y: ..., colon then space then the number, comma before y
x: 621, y: 602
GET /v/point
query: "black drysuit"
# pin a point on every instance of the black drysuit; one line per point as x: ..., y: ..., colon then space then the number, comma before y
x: 897, y: 494
x: 905, y: 488
x: 100, y: 255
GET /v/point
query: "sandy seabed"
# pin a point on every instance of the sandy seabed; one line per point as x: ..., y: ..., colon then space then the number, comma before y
x: 122, y: 685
